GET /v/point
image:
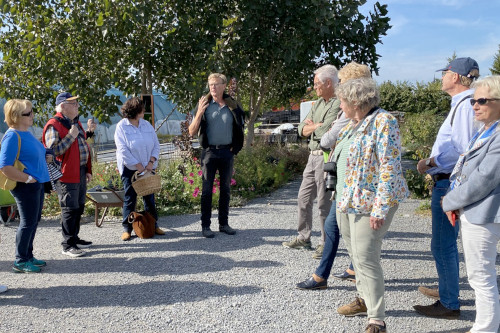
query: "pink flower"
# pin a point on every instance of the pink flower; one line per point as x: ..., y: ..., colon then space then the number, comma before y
x: 185, y: 179
x: 191, y: 174
x: 196, y: 192
x: 214, y: 189
x: 195, y: 159
x: 191, y: 182
x: 233, y: 182
x: 200, y: 173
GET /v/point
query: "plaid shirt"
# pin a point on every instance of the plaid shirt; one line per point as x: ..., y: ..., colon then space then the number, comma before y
x: 60, y: 146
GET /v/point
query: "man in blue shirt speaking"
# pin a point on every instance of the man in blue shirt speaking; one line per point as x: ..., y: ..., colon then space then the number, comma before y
x: 452, y: 140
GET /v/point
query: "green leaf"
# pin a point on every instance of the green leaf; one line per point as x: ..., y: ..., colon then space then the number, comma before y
x: 100, y: 20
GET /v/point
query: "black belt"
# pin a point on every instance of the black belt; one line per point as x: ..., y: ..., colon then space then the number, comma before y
x: 440, y: 176
x: 219, y: 146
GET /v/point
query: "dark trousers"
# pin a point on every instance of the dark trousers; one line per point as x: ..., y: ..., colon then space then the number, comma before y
x: 213, y: 160
x: 29, y: 200
x: 130, y: 200
x: 72, y: 201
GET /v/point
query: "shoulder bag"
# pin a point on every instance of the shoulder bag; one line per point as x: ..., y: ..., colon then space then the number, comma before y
x: 5, y: 182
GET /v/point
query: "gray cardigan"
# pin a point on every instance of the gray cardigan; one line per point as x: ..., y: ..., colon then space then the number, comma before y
x: 479, y: 193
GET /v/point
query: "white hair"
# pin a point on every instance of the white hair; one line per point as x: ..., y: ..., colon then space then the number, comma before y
x: 328, y: 72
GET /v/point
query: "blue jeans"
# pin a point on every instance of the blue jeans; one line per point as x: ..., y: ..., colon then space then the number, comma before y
x: 332, y: 238
x: 130, y: 200
x: 213, y: 160
x: 29, y: 200
x: 444, y: 248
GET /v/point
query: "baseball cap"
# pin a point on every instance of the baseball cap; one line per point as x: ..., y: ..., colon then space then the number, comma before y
x: 65, y: 96
x: 462, y: 66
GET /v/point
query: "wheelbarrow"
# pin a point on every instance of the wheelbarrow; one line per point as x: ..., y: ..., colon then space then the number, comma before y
x: 105, y: 199
x: 8, y: 207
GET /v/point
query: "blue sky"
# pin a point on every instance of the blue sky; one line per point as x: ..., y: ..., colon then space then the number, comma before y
x: 425, y: 33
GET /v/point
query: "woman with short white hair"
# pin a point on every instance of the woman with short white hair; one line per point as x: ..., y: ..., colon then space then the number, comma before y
x: 474, y: 199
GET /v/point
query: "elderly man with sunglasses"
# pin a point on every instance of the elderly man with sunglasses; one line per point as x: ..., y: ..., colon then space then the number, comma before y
x: 65, y: 135
x: 451, y: 141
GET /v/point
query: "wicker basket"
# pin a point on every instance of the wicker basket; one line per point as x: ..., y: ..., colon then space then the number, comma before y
x: 146, y: 184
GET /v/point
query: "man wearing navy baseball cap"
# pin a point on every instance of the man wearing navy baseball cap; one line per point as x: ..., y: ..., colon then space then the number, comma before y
x: 65, y: 135
x: 452, y: 140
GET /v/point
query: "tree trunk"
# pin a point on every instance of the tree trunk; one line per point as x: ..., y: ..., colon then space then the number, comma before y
x: 256, y: 102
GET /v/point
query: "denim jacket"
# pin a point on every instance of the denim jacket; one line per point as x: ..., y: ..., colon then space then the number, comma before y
x: 374, y: 179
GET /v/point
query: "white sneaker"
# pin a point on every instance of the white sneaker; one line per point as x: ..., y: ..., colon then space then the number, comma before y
x: 73, y: 252
x: 3, y: 288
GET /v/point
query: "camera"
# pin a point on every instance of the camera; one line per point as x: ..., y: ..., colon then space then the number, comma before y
x: 331, y: 175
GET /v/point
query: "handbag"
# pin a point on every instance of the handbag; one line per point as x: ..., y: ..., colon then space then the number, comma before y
x: 146, y: 183
x: 143, y: 224
x: 5, y: 182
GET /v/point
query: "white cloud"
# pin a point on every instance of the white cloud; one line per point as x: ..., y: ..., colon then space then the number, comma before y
x: 397, y: 23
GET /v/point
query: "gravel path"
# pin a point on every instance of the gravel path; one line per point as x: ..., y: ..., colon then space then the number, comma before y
x: 181, y: 282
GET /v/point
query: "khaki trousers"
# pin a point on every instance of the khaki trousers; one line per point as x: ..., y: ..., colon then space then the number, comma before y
x: 313, y: 187
x: 364, y: 245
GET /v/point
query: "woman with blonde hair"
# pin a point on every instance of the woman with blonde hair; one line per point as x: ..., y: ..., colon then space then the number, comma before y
x: 29, y: 190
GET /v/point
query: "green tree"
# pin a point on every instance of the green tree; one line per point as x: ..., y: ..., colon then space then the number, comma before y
x: 273, y: 46
x: 495, y: 69
x: 89, y: 46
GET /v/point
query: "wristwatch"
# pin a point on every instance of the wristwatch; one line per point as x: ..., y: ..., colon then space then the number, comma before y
x: 428, y: 162
x: 29, y: 179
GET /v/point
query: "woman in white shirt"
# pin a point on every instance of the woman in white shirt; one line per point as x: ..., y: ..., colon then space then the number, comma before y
x: 137, y: 149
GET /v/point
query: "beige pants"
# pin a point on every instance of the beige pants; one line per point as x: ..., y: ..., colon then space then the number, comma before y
x: 312, y: 187
x: 364, y: 245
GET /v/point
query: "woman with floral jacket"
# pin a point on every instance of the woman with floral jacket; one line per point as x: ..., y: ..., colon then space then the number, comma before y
x: 369, y: 188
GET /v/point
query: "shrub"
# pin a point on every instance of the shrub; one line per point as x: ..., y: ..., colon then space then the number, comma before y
x: 419, y: 131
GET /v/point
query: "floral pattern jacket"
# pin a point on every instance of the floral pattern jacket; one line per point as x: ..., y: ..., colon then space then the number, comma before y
x: 374, y: 179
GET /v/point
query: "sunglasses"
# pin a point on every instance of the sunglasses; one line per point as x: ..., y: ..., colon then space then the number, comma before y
x: 482, y: 101
x: 27, y: 114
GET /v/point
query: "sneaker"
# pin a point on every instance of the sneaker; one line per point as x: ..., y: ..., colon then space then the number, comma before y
x: 3, y: 288
x: 375, y: 328
x: 430, y: 292
x: 298, y: 244
x: 83, y: 244
x: 159, y: 231
x: 437, y: 310
x: 311, y: 284
x: 319, y: 252
x: 227, y: 229
x: 25, y: 267
x: 38, y: 263
x: 207, y: 233
x: 73, y: 252
x: 126, y: 236
x: 356, y: 308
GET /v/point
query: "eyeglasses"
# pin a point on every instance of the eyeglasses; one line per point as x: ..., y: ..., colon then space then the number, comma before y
x: 444, y: 73
x: 29, y: 114
x: 215, y: 84
x: 482, y: 101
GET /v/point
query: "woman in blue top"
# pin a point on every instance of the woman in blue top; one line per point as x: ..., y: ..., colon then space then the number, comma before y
x: 29, y: 191
x: 137, y: 149
x: 474, y: 199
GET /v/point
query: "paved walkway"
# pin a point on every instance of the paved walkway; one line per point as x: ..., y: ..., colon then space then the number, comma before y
x: 184, y: 283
